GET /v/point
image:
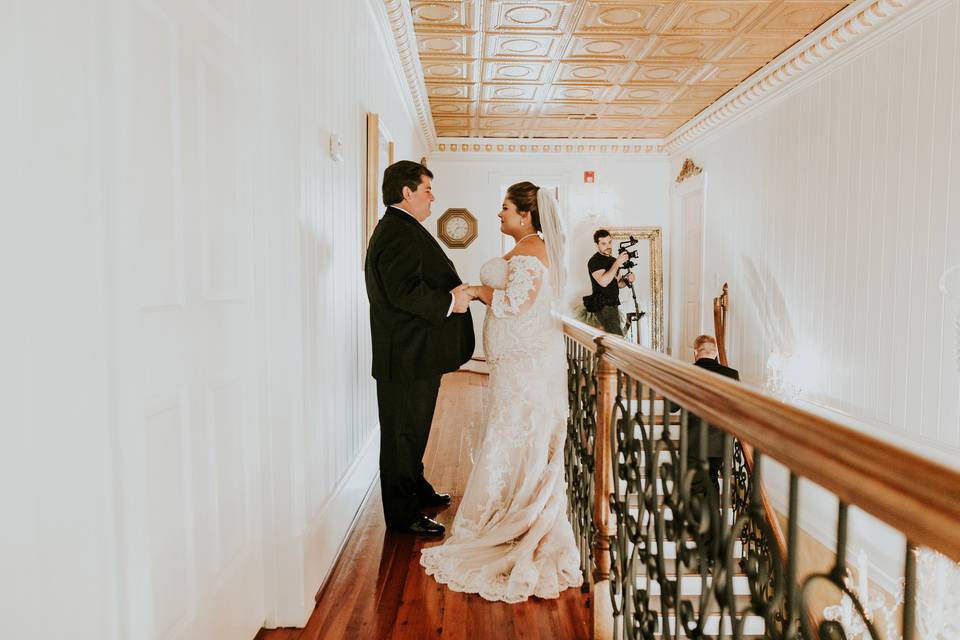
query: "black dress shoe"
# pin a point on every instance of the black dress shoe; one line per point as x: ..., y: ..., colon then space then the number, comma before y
x: 435, y: 500
x: 424, y: 526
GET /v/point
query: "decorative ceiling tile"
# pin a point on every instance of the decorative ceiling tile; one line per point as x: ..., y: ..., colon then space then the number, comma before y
x: 798, y: 17
x: 521, y: 46
x: 631, y: 110
x: 513, y: 71
x: 700, y: 93
x: 511, y: 93
x: 527, y: 16
x: 505, y: 108
x: 445, y: 45
x: 660, y: 72
x: 577, y: 94
x: 686, y: 47
x: 451, y: 91
x: 639, y: 17
x: 683, y: 109
x: 656, y: 93
x: 726, y: 74
x: 496, y: 133
x: 451, y: 123
x: 565, y: 109
x: 697, y: 17
x: 447, y: 71
x: 606, y: 47
x: 450, y: 108
x: 588, y: 73
x: 442, y: 14
x: 757, y: 49
x: 603, y: 68
x: 502, y: 123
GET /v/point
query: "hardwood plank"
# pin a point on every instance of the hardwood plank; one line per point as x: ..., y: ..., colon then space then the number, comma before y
x: 378, y: 590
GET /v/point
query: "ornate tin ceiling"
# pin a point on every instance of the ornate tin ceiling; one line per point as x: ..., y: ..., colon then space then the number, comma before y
x: 595, y: 68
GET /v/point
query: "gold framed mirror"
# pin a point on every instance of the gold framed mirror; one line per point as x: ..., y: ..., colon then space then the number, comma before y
x: 380, y: 155
x: 648, y: 284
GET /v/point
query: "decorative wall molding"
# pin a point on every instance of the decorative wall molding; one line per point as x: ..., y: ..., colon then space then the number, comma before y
x: 398, y: 15
x: 688, y: 170
x: 546, y: 146
x: 848, y: 27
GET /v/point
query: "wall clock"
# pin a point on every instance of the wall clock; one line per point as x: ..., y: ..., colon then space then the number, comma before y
x: 457, y: 228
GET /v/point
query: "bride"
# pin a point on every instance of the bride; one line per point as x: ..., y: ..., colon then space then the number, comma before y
x: 511, y: 538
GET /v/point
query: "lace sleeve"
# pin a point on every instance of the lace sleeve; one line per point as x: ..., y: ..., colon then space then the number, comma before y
x: 523, y: 282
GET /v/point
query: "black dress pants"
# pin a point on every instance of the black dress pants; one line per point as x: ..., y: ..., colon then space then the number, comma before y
x: 707, y: 489
x: 406, y: 411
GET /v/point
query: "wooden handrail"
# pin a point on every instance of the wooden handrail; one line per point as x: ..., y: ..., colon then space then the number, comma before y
x: 919, y: 497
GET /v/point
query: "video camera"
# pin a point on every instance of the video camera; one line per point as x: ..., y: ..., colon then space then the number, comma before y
x: 625, y: 248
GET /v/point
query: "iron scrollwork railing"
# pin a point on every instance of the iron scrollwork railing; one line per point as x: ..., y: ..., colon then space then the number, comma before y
x: 686, y: 559
x: 580, y: 449
x: 678, y: 545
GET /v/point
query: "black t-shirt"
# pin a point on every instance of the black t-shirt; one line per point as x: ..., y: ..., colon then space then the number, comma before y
x: 610, y: 294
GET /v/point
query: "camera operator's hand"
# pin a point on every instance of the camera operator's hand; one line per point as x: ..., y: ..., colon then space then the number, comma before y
x: 630, y: 277
x: 623, y: 257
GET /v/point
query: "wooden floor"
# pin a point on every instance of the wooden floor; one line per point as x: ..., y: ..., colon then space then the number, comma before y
x: 378, y: 588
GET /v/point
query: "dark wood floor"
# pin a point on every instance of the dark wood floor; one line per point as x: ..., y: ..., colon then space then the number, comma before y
x: 378, y: 589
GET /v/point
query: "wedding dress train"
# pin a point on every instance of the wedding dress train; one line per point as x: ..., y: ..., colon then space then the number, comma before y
x: 511, y: 538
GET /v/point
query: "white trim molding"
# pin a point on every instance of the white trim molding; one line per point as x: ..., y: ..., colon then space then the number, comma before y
x: 849, y: 26
x: 566, y: 146
x: 400, y: 22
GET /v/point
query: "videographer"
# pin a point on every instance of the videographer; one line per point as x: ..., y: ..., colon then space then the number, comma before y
x: 606, y: 282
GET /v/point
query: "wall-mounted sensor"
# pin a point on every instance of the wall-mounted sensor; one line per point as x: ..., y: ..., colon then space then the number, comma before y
x: 336, y: 147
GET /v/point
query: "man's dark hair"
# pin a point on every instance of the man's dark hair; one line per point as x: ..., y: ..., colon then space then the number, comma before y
x: 405, y: 173
x: 599, y: 233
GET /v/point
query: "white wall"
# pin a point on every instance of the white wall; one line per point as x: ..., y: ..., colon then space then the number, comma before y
x: 628, y: 192
x: 832, y: 212
x: 188, y: 421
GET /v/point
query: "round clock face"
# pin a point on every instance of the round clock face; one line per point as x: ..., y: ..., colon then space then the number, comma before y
x: 456, y: 228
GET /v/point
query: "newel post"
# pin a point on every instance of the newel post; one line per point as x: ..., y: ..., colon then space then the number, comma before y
x: 603, y: 485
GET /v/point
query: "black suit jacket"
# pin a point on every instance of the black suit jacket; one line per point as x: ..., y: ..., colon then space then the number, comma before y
x: 409, y: 279
x: 714, y: 435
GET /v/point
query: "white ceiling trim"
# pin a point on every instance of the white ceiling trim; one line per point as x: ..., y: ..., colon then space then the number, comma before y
x: 400, y: 22
x: 852, y: 25
x: 555, y: 146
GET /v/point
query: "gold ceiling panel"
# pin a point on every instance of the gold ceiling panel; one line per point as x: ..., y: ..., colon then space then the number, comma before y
x: 595, y: 68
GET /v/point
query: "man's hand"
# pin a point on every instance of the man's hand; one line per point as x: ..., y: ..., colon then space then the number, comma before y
x: 623, y: 257
x: 461, y: 299
x: 630, y: 277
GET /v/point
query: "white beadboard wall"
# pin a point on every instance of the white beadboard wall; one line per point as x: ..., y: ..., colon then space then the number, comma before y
x: 832, y: 211
x: 629, y: 191
x: 188, y: 420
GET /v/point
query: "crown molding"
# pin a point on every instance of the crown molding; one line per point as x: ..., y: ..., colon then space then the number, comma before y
x: 397, y: 17
x: 859, y: 22
x: 550, y: 146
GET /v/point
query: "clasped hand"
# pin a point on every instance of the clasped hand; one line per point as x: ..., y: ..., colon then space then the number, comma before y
x: 462, y: 297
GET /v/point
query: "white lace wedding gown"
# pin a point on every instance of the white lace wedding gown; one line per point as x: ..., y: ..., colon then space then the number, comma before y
x: 511, y: 538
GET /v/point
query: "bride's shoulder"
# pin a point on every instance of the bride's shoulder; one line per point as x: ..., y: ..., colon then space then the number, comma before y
x: 536, y: 250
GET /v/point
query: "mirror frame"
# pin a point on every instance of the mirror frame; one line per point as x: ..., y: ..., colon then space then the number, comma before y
x: 653, y: 236
x: 376, y: 133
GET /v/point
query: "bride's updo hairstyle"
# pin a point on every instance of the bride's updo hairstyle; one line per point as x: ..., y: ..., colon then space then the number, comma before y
x: 524, y: 197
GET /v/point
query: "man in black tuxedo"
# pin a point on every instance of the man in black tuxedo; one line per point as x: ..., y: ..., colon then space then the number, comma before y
x: 421, y: 328
x: 706, y: 356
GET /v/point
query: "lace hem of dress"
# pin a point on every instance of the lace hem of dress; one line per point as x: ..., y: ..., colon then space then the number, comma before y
x: 518, y: 585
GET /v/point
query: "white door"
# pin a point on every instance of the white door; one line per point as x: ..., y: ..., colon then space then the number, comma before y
x: 691, y: 209
x: 180, y: 226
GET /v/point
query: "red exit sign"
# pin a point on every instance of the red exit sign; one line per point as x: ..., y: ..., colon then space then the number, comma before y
x: 589, y: 177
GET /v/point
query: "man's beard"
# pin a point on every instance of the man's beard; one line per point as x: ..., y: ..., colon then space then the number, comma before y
x: 607, y: 252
